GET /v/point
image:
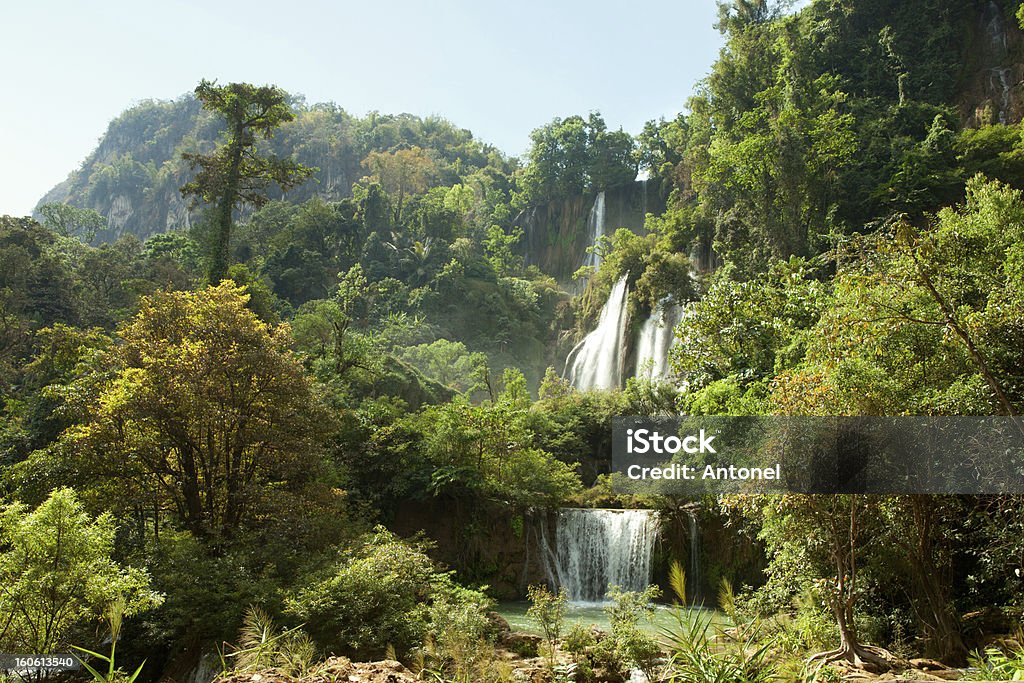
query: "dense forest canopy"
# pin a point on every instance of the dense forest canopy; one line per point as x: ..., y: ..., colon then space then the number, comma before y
x: 253, y: 344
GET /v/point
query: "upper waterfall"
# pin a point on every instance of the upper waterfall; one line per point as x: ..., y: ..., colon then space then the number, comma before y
x: 595, y: 228
x: 995, y: 54
x: 655, y: 340
x: 596, y: 362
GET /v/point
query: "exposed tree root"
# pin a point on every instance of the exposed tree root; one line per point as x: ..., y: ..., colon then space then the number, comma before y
x: 867, y: 657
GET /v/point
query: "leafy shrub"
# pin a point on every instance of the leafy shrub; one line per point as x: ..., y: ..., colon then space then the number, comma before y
x: 578, y: 639
x: 597, y: 655
x: 548, y: 610
x: 593, y: 652
x: 632, y: 646
x: 378, y: 594
x: 58, y: 574
x: 206, y: 589
x: 461, y: 634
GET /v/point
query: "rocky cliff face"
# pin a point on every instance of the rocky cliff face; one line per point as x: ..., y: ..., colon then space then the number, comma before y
x: 481, y: 541
x: 993, y: 89
x: 134, y: 175
x: 556, y: 235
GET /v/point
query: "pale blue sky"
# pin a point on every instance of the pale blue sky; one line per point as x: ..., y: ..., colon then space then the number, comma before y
x: 499, y: 69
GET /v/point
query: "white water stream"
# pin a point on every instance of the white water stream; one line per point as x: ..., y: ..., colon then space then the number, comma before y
x: 594, y: 549
x: 656, y: 337
x: 596, y: 362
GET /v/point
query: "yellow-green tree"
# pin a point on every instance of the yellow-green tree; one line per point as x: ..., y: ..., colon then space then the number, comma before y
x: 206, y: 410
x: 402, y: 172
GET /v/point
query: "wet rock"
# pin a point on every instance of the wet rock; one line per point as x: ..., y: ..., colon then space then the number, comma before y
x: 523, y: 644
x: 928, y: 665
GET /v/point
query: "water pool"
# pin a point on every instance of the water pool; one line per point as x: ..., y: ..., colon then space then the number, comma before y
x: 593, y: 613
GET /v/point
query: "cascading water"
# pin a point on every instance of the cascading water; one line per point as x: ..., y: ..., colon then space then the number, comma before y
x: 595, y: 227
x: 695, y: 578
x: 1003, y: 86
x: 595, y: 549
x: 642, y: 177
x: 995, y: 53
x: 655, y: 340
x: 596, y: 362
x: 995, y: 27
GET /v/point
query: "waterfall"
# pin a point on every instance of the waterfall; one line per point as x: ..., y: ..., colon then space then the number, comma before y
x: 531, y: 227
x: 695, y: 578
x: 596, y: 362
x: 996, y: 55
x: 656, y: 337
x: 206, y: 670
x: 595, y: 549
x: 595, y: 227
x: 995, y: 28
x: 1003, y: 77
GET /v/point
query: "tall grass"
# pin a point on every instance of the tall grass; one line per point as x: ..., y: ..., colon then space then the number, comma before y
x: 699, y: 652
x: 114, y: 617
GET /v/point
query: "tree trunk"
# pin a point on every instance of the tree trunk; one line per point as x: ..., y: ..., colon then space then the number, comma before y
x: 950, y: 316
x: 843, y: 598
x: 850, y: 649
x: 225, y: 208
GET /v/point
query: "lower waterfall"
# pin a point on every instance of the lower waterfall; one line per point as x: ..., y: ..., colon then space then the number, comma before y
x: 594, y: 549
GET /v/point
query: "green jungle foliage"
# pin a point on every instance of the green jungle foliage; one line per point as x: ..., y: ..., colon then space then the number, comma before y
x: 218, y: 406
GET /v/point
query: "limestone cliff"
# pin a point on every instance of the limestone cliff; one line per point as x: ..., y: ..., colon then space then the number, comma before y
x: 556, y: 235
x: 133, y: 176
x: 993, y: 87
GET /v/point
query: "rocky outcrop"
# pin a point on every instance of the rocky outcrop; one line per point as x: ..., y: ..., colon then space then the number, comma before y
x: 483, y: 542
x: 334, y: 670
x: 994, y: 86
x: 133, y: 176
x: 556, y: 234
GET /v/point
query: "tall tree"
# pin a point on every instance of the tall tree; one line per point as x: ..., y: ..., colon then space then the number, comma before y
x: 822, y: 539
x: 575, y: 155
x: 206, y: 409
x: 71, y: 221
x: 235, y: 173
